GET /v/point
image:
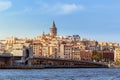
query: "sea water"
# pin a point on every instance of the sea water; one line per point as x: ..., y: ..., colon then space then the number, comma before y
x: 60, y: 74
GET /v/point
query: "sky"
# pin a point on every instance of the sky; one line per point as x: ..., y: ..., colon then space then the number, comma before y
x: 92, y: 19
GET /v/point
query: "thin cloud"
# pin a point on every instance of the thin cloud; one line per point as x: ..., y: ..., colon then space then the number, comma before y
x: 4, y: 5
x: 46, y: 8
x: 60, y: 8
x: 20, y: 12
x: 67, y: 8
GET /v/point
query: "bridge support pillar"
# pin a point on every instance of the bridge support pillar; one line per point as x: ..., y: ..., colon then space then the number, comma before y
x: 27, y: 56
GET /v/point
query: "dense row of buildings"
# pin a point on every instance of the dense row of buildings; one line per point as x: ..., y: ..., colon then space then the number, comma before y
x: 66, y: 47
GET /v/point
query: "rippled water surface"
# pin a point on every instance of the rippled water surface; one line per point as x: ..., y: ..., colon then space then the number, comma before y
x: 61, y: 74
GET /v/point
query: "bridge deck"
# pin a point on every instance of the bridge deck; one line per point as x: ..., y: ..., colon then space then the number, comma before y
x: 66, y: 62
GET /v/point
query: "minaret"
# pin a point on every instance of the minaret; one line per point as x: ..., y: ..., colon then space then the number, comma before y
x: 43, y: 35
x: 53, y: 30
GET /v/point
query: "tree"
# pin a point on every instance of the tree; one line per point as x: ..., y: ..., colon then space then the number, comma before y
x: 100, y: 54
x: 97, y: 55
x: 117, y: 62
x: 96, y: 58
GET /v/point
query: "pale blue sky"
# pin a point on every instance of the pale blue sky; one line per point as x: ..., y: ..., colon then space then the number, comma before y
x: 92, y: 19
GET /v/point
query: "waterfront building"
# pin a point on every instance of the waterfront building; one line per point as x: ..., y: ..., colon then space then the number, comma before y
x: 2, y: 48
x: 69, y: 51
x: 108, y: 56
x: 75, y: 53
x: 86, y: 55
x: 117, y: 54
x: 54, y: 48
x: 17, y: 50
x: 5, y: 59
x: 37, y: 48
x: 45, y: 51
x: 65, y: 51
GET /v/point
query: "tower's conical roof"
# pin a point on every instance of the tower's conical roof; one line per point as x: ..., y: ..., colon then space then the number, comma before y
x: 53, y: 25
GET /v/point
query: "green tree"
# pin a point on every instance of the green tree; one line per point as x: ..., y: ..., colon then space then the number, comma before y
x: 97, y: 55
x: 96, y: 58
x: 100, y: 54
x: 117, y: 62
